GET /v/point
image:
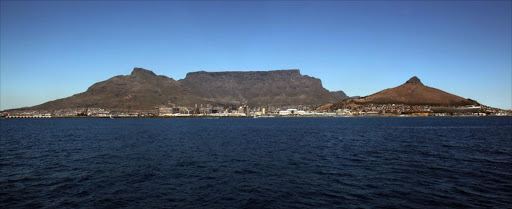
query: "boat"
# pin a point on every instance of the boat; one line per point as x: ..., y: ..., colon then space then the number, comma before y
x: 111, y: 117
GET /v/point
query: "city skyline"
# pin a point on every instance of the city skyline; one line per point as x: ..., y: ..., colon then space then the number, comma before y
x: 52, y: 50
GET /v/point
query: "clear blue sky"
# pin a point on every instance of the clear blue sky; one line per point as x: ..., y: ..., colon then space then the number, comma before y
x: 55, y: 49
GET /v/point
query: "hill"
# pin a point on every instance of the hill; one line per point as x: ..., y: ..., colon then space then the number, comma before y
x: 141, y: 90
x: 412, y: 92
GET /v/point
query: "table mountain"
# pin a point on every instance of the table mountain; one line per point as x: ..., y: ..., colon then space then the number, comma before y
x: 258, y: 88
x: 143, y: 90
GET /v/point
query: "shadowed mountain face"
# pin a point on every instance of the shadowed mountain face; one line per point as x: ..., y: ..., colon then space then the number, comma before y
x: 143, y: 90
x: 413, y: 92
x: 258, y: 88
x: 339, y: 94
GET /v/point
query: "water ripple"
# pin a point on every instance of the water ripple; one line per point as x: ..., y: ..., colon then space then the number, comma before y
x: 248, y: 163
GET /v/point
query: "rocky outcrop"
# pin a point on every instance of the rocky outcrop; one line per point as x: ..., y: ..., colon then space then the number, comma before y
x: 339, y: 94
x: 414, y: 80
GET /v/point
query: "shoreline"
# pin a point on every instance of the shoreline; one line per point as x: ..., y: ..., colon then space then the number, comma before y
x: 218, y: 117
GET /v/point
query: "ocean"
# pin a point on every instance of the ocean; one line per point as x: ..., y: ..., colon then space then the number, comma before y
x: 359, y: 162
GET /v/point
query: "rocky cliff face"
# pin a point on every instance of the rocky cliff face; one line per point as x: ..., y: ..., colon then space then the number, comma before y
x: 258, y: 88
x: 143, y: 90
x: 414, y: 80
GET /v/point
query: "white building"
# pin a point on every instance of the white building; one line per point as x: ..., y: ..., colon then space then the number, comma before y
x: 284, y: 112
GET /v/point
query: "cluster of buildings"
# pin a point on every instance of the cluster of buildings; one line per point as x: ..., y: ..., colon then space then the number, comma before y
x: 422, y: 110
x: 267, y: 111
x: 233, y: 111
x: 397, y: 109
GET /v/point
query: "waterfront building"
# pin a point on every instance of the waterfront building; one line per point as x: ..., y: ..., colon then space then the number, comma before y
x: 284, y: 112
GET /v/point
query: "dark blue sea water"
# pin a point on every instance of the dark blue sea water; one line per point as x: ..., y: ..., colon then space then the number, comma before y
x: 256, y: 163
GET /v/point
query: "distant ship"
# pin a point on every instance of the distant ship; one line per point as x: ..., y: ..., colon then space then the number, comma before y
x: 466, y: 109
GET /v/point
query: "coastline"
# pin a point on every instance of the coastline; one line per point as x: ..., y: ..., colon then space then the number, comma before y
x: 297, y: 116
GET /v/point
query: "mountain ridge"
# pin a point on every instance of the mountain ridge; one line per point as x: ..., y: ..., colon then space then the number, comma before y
x: 142, y: 89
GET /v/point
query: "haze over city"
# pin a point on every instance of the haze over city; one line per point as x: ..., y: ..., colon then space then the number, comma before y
x: 51, y: 50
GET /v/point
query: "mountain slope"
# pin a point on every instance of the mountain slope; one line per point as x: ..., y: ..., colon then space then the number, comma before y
x: 141, y: 90
x: 413, y: 92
